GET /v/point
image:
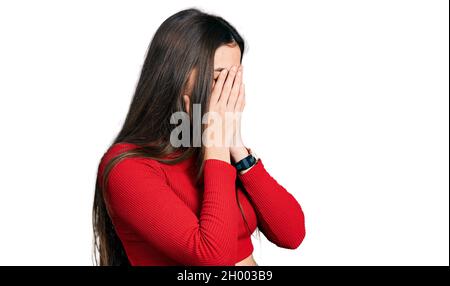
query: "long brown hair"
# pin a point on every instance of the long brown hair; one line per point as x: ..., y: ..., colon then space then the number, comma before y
x: 185, y: 41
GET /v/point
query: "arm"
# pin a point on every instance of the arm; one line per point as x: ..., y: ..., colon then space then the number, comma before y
x: 140, y: 197
x: 280, y: 216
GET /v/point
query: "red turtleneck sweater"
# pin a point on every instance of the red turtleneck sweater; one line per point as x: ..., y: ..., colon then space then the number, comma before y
x: 163, y: 218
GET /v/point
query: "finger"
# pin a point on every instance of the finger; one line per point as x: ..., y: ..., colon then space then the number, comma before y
x: 227, y: 86
x: 240, y: 102
x: 186, y: 100
x: 235, y: 90
x: 217, y: 89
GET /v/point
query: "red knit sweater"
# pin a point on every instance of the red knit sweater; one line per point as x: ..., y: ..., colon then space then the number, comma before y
x: 163, y: 218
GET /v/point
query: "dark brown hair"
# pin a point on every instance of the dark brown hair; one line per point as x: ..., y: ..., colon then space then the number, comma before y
x: 185, y: 41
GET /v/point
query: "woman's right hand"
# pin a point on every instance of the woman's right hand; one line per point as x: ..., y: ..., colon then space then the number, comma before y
x: 223, y: 111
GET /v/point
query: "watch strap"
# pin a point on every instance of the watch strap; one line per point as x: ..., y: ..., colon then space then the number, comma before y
x: 245, y: 163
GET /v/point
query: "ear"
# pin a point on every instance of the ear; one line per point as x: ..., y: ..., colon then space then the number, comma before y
x: 186, y: 100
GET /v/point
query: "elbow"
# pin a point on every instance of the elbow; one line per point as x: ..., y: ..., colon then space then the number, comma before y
x: 216, y: 260
x: 300, y: 232
x: 223, y: 261
x: 289, y: 241
x: 297, y: 240
x: 212, y: 252
x: 219, y: 258
x: 294, y: 238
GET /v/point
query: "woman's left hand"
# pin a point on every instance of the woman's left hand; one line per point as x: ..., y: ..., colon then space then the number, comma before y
x: 238, y: 150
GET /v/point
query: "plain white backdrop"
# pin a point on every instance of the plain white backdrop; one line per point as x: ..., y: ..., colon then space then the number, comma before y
x: 347, y: 103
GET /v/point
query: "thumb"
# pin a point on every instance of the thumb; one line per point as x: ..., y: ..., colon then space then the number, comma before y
x: 186, y: 101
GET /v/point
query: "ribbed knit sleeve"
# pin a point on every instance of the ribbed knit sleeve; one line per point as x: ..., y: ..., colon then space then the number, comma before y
x: 280, y: 216
x: 138, y: 195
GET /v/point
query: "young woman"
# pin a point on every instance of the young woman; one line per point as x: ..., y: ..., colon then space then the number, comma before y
x: 157, y: 203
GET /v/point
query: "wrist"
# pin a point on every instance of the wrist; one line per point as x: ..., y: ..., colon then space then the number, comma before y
x: 218, y: 153
x: 247, y: 162
x: 238, y: 153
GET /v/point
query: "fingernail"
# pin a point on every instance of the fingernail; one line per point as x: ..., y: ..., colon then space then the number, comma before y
x: 234, y: 68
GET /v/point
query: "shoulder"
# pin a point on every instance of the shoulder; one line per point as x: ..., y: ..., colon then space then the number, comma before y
x: 128, y: 167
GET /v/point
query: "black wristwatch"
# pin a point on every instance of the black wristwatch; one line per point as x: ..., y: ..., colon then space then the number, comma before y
x: 247, y: 162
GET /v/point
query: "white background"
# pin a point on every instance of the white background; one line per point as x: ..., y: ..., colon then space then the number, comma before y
x: 347, y: 103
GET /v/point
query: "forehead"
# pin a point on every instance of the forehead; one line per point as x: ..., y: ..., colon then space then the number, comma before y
x: 227, y: 56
